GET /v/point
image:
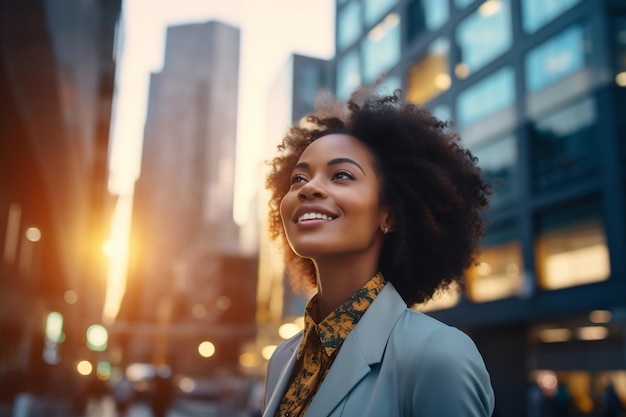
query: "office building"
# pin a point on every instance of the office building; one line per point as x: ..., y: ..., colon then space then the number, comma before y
x: 536, y: 90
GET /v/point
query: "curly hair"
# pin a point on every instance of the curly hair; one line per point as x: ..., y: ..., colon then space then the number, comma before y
x: 433, y: 185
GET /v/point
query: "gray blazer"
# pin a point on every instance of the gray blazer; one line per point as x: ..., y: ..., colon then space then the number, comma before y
x: 396, y: 362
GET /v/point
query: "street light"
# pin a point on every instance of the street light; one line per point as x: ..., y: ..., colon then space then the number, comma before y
x: 97, y: 337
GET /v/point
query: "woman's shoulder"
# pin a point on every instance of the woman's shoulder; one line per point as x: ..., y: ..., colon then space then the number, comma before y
x: 428, y: 337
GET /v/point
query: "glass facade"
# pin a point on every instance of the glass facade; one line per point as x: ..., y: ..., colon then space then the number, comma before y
x: 375, y: 9
x: 429, y: 76
x: 436, y: 13
x: 442, y: 112
x: 461, y: 4
x: 349, y: 26
x: 483, y: 36
x: 619, y: 51
x: 557, y: 58
x: 426, y: 15
x: 563, y: 147
x: 571, y: 247
x: 381, y: 47
x: 498, y: 159
x: 500, y: 270
x: 537, y: 13
x: 348, y: 74
x: 486, y: 97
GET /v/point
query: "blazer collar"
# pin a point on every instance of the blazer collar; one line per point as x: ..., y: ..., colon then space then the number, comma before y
x: 363, y: 348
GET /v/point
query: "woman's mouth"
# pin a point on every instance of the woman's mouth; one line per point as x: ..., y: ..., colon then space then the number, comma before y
x: 314, y: 216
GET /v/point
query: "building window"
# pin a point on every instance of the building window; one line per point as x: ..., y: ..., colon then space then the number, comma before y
x: 426, y: 15
x: 381, y: 47
x: 498, y: 160
x: 461, y: 4
x: 499, y: 273
x: 349, y: 24
x: 436, y: 13
x: 486, y: 97
x: 571, y: 247
x: 483, y: 36
x: 536, y: 13
x: 557, y: 58
x: 562, y: 146
x: 619, y: 51
x: 442, y: 112
x: 348, y: 74
x: 375, y: 9
x: 429, y: 76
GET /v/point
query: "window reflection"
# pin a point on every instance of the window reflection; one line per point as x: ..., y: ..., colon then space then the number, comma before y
x: 562, y: 145
x: 436, y: 13
x: 426, y: 15
x: 499, y: 273
x: 498, y: 160
x: 348, y: 74
x: 620, y: 52
x: 536, y: 13
x: 381, y: 47
x: 461, y: 4
x: 483, y: 36
x: 557, y: 58
x: 571, y: 247
x: 442, y: 112
x: 375, y: 9
x: 348, y: 24
x: 486, y: 97
x: 429, y: 76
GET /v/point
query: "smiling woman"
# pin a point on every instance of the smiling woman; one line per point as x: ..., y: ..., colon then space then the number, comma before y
x: 378, y: 207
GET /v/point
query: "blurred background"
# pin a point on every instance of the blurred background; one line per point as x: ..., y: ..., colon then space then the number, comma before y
x: 136, y: 278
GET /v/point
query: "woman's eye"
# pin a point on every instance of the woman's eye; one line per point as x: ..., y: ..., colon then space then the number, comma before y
x: 298, y: 178
x: 343, y: 175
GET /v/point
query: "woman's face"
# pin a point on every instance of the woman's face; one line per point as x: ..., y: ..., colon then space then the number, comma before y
x: 333, y: 206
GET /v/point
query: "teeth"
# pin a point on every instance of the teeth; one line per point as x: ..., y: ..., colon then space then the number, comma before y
x: 312, y: 216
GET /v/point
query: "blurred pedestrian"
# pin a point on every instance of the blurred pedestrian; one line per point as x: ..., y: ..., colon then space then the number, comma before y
x: 123, y: 394
x: 613, y: 406
x: 162, y: 395
x: 379, y: 207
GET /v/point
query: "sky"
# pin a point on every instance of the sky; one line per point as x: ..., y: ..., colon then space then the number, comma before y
x: 270, y: 31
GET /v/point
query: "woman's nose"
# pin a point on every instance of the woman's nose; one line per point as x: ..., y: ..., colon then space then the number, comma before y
x: 312, y: 189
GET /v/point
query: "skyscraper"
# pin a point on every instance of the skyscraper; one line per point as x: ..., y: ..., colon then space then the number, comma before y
x: 183, y: 225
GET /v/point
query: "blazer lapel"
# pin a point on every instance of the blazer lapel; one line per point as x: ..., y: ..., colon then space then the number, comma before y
x: 363, y: 348
x: 281, y: 385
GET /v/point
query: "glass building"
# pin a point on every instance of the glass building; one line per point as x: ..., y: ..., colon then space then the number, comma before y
x: 537, y: 89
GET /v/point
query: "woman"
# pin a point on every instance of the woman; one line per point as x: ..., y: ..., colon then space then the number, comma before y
x: 379, y: 207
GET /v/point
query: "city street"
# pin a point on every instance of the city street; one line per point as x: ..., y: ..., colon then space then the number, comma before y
x: 181, y: 408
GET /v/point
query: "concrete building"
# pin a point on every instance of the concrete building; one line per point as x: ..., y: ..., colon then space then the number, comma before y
x: 536, y: 90
x: 57, y: 76
x: 184, y: 239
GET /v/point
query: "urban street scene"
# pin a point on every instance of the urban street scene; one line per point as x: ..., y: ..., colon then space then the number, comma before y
x: 139, y: 271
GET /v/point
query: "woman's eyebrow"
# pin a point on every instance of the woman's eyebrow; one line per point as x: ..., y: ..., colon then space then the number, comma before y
x: 336, y: 161
x: 343, y: 160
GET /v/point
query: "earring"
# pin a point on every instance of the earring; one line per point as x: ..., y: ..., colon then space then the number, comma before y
x: 386, y: 230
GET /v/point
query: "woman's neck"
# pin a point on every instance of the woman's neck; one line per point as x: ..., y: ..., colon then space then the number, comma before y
x: 338, y: 281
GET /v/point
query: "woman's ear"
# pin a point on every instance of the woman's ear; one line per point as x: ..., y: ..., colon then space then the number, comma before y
x: 388, y: 223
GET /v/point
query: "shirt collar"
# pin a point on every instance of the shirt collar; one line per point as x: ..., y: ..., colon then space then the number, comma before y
x: 334, y: 329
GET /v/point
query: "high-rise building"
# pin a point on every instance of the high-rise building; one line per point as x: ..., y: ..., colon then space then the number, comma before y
x: 290, y: 97
x: 57, y: 76
x: 185, y: 242
x: 536, y: 90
